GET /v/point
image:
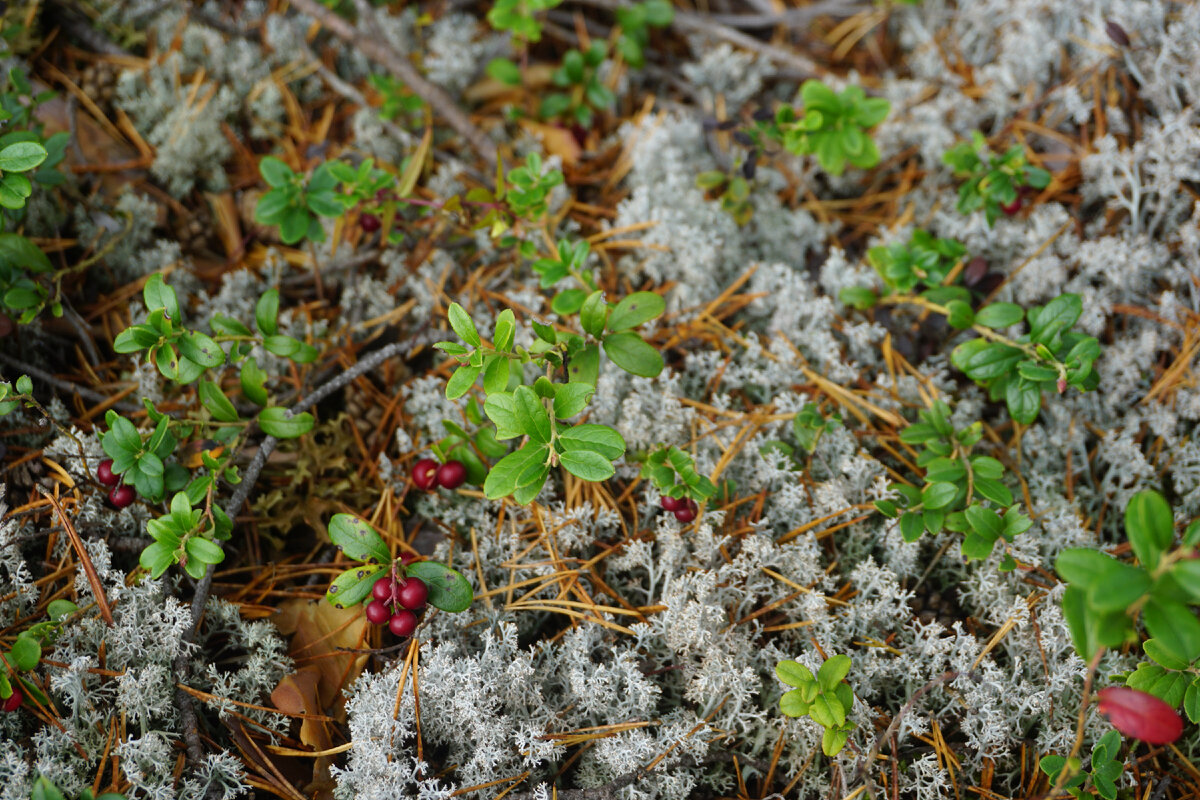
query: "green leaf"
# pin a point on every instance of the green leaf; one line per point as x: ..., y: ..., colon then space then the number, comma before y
x: 1118, y: 587
x: 911, y: 526
x: 827, y: 711
x: 594, y: 314
x: 204, y: 551
x: 275, y: 172
x: 18, y: 251
x: 505, y: 71
x: 43, y: 789
x: 832, y: 741
x: 461, y: 381
x: 463, y: 325
x: 938, y: 495
x: 1081, y: 566
x: 1174, y: 627
x: 22, y: 156
x: 571, y: 399
x: 1024, y: 400
x: 587, y: 464
x: 793, y: 673
x: 999, y: 315
x: 596, y: 438
x: 1055, y: 317
x: 26, y: 653
x: 584, y: 365
x: 496, y: 374
x: 629, y: 352
x: 793, y: 704
x: 985, y: 521
x: 961, y: 316
x: 1150, y: 526
x: 637, y: 308
x: 266, y: 313
x: 506, y: 473
x: 354, y: 585
x: 833, y: 671
x: 254, y: 379
x: 58, y: 610
x: 158, y: 294
x: 505, y: 330
x: 216, y: 402
x: 1162, y: 655
x: 531, y: 416
x: 501, y: 409
x: 982, y: 360
x: 282, y: 424
x: 448, y: 590
x: 156, y: 558
x: 358, y: 540
x: 995, y: 491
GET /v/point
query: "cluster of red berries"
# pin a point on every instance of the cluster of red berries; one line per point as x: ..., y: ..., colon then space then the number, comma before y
x: 120, y: 494
x: 397, y: 603
x: 684, y: 508
x: 427, y: 474
x: 14, y: 700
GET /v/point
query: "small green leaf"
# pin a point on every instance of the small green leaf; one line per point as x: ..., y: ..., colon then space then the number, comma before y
x: 1174, y: 627
x: 571, y: 399
x: 22, y: 156
x: 448, y: 590
x: 531, y: 416
x: 358, y: 540
x: 254, y: 379
x: 995, y: 491
x: 266, y: 313
x: 938, y: 495
x: 204, y: 551
x: 275, y: 172
x: 216, y: 402
x: 505, y: 475
x: 999, y: 315
x: 26, y: 653
x: 156, y: 558
x: 463, y: 325
x: 587, y: 464
x: 354, y: 585
x: 282, y: 424
x: 158, y: 294
x: 793, y: 673
x: 793, y: 704
x: 833, y: 671
x: 594, y: 314
x: 635, y: 310
x: 461, y: 381
x: 597, y: 438
x: 827, y: 711
x: 1150, y: 526
x: 629, y: 352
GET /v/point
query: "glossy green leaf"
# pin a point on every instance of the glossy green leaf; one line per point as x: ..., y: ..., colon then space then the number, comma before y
x: 283, y: 424
x: 600, y: 439
x: 1150, y: 526
x: 448, y: 590
x: 216, y: 402
x: 354, y: 585
x: 358, y: 540
x: 463, y: 325
x: 635, y: 310
x: 629, y: 352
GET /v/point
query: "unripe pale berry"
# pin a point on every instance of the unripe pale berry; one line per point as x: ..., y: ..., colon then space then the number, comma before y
x: 105, y: 475
x: 451, y: 475
x: 403, y: 623
x: 122, y: 496
x: 377, y: 612
x: 413, y: 594
x: 424, y: 474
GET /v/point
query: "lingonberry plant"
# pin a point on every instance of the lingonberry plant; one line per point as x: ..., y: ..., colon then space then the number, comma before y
x: 583, y: 92
x: 961, y: 490
x: 924, y: 260
x: 394, y: 592
x: 295, y: 204
x: 537, y: 413
x: 44, y: 789
x: 26, y: 653
x: 1105, y: 596
x: 568, y: 261
x: 635, y: 21
x: 673, y: 472
x: 733, y: 191
x: 518, y: 18
x: 992, y: 182
x: 833, y: 127
x: 1101, y: 778
x: 826, y: 698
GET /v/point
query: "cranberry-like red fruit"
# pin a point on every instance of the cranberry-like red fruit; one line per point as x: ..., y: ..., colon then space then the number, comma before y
x: 122, y: 496
x: 105, y: 475
x: 686, y: 511
x: 377, y: 612
x: 451, y: 475
x: 369, y: 223
x: 382, y: 590
x: 670, y: 503
x: 1140, y: 715
x: 1011, y: 208
x: 14, y: 700
x: 403, y: 623
x: 424, y: 474
x: 413, y: 594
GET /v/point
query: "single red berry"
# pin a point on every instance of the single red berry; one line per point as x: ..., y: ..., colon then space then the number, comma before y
x: 369, y: 223
x: 403, y: 623
x: 413, y: 593
x: 122, y: 496
x: 14, y: 700
x: 1011, y: 208
x: 670, y: 503
x: 382, y: 590
x: 105, y: 475
x: 1140, y: 715
x: 424, y: 474
x: 686, y: 511
x: 377, y: 612
x: 451, y: 475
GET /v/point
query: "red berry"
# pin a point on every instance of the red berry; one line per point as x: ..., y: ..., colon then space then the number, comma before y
x: 403, y: 623
x: 1140, y: 715
x: 451, y: 475
x: 413, y: 594
x: 382, y: 590
x: 369, y: 223
x: 1011, y: 208
x: 424, y: 473
x: 105, y: 475
x: 122, y: 496
x: 14, y: 700
x: 670, y: 503
x: 377, y: 612
x: 686, y: 511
